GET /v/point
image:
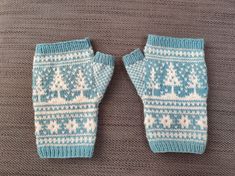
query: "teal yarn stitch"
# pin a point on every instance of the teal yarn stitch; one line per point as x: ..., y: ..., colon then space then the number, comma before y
x: 171, y: 79
x: 68, y: 84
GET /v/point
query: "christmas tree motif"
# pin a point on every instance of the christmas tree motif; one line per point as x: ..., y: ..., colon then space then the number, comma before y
x: 39, y: 91
x: 194, y: 82
x: 58, y: 85
x: 81, y: 83
x: 81, y: 86
x: 153, y: 82
x: 171, y: 78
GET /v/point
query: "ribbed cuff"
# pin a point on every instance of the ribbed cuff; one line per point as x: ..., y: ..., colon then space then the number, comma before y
x: 59, y: 47
x: 173, y: 42
x: 177, y: 146
x: 104, y: 59
x: 133, y: 57
x: 65, y: 151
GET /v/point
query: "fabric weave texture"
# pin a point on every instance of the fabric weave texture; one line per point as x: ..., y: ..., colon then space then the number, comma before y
x: 171, y: 79
x: 69, y: 82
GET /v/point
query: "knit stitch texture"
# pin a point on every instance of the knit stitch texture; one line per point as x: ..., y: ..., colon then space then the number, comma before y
x: 171, y: 79
x: 68, y: 85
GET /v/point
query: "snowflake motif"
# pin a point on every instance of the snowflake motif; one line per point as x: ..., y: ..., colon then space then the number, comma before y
x: 53, y: 126
x: 166, y: 121
x: 90, y: 125
x: 38, y: 127
x: 72, y: 126
x: 148, y: 121
x: 184, y: 122
x: 202, y: 122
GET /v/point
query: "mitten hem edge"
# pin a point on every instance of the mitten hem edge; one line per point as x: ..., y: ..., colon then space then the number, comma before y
x: 175, y: 42
x: 177, y: 147
x: 64, y: 46
x: 65, y: 151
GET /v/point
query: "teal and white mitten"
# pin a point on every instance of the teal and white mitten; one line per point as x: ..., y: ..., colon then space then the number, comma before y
x: 68, y: 84
x: 171, y: 79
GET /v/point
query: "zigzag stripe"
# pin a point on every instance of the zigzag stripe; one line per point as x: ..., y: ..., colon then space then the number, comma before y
x: 63, y: 57
x: 64, y: 111
x: 66, y: 140
x: 173, y: 59
x: 69, y: 144
x: 56, y: 54
x: 176, y: 135
x: 69, y: 115
x: 188, y: 104
x: 174, y: 52
x: 67, y: 104
x: 165, y: 47
x: 64, y: 116
x: 65, y: 135
x: 182, y: 110
x: 157, y: 98
x: 185, y: 140
x: 176, y: 112
x: 174, y: 107
x: 50, y: 64
x: 177, y: 130
x: 67, y: 107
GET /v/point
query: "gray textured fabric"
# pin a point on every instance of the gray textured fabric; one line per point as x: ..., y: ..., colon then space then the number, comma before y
x: 115, y: 27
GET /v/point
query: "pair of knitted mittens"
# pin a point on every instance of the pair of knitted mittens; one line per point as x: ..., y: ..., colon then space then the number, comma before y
x: 171, y: 79
x: 69, y: 82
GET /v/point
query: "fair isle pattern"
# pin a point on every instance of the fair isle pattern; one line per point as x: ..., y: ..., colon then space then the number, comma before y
x: 175, y: 93
x: 136, y: 69
x: 102, y: 76
x: 68, y: 84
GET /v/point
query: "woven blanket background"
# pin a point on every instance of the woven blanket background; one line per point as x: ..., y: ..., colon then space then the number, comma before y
x: 115, y: 27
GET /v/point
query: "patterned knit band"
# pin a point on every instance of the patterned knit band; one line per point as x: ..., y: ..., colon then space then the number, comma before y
x: 171, y: 79
x: 68, y: 84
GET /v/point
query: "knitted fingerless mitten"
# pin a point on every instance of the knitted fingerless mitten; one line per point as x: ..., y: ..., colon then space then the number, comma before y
x: 171, y: 79
x: 68, y: 84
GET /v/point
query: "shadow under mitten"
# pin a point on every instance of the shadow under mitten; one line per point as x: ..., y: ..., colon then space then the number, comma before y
x: 68, y: 85
x: 171, y: 79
